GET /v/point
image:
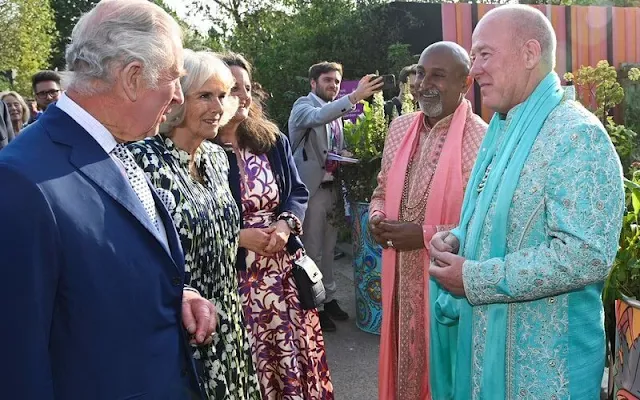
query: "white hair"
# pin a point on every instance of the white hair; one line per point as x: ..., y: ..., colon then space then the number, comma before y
x: 200, y: 67
x: 23, y: 104
x: 530, y: 23
x: 115, y: 33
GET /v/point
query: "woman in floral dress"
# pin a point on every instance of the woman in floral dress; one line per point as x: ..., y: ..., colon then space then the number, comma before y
x: 190, y: 176
x: 287, y: 342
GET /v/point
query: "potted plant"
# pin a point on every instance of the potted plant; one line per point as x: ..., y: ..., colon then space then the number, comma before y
x: 365, y: 139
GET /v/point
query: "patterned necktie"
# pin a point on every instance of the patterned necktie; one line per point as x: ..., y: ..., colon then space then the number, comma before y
x: 137, y: 181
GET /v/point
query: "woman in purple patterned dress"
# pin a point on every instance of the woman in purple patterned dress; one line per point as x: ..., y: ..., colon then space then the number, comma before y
x: 287, y: 343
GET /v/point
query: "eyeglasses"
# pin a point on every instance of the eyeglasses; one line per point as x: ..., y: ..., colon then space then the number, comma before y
x: 48, y: 93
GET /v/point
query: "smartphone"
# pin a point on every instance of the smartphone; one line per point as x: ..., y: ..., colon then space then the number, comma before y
x: 389, y: 81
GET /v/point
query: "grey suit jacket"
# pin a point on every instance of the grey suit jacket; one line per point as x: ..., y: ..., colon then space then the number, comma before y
x: 311, y: 155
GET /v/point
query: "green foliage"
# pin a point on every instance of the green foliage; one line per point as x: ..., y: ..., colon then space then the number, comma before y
x: 600, y: 91
x: 67, y: 13
x: 625, y: 274
x: 624, y: 277
x: 408, y: 103
x: 284, y: 41
x: 603, y: 93
x: 28, y: 31
x: 365, y: 140
x: 622, y: 137
x: 399, y: 57
x: 634, y: 74
x: 191, y: 39
x: 632, y: 109
x: 599, y: 85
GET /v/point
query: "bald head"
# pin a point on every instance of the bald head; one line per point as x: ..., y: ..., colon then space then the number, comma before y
x: 442, y: 79
x: 457, y: 56
x: 526, y: 23
x: 513, y: 49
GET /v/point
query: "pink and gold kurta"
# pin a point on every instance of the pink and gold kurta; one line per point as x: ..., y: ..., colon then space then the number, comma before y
x: 411, y: 381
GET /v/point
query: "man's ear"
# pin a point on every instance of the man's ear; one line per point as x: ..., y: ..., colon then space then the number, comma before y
x: 131, y: 80
x: 468, y: 81
x: 531, y: 53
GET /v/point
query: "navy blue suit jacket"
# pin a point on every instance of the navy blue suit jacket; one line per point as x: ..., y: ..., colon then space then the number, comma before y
x: 294, y: 195
x: 92, y: 297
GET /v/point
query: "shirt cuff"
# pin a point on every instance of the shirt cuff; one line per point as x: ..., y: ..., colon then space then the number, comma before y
x: 190, y: 289
x: 350, y: 102
x: 377, y: 212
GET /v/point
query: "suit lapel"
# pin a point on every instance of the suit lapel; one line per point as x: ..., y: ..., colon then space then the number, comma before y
x: 326, y: 127
x: 174, y: 248
x: 91, y: 159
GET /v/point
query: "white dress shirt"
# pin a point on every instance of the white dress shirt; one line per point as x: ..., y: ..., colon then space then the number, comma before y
x: 104, y: 138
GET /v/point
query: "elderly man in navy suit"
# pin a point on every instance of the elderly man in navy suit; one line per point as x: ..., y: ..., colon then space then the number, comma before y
x: 95, y: 302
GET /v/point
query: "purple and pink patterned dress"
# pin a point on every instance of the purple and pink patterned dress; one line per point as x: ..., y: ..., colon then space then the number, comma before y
x: 287, y: 342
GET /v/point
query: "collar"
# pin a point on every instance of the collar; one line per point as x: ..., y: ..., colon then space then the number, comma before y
x: 322, y: 102
x: 98, y: 131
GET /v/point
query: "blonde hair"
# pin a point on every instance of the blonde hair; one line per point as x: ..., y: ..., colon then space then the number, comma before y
x: 23, y: 104
x: 200, y: 67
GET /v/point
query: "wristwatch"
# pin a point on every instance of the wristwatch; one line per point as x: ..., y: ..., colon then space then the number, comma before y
x: 291, y: 222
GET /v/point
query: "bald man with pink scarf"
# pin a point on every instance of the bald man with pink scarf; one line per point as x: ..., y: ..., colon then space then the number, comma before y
x: 426, y: 164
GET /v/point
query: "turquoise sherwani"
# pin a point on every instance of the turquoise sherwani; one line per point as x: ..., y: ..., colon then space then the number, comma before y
x: 562, y: 237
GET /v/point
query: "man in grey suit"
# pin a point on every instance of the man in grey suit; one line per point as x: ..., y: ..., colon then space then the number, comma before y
x: 315, y: 130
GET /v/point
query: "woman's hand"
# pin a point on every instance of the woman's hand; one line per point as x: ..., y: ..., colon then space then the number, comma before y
x: 256, y: 239
x: 279, y: 237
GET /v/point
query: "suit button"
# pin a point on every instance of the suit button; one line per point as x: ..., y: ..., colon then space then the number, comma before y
x: 323, y: 167
x: 324, y: 151
x: 176, y: 281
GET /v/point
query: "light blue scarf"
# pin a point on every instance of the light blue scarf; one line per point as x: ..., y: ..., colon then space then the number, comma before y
x: 506, y: 153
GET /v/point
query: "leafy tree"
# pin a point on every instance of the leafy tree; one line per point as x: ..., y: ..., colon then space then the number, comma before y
x: 67, y: 13
x: 284, y: 41
x: 230, y: 16
x: 399, y: 57
x: 191, y: 39
x: 26, y: 41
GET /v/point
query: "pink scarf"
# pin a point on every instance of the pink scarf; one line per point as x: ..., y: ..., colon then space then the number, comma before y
x: 443, y: 208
